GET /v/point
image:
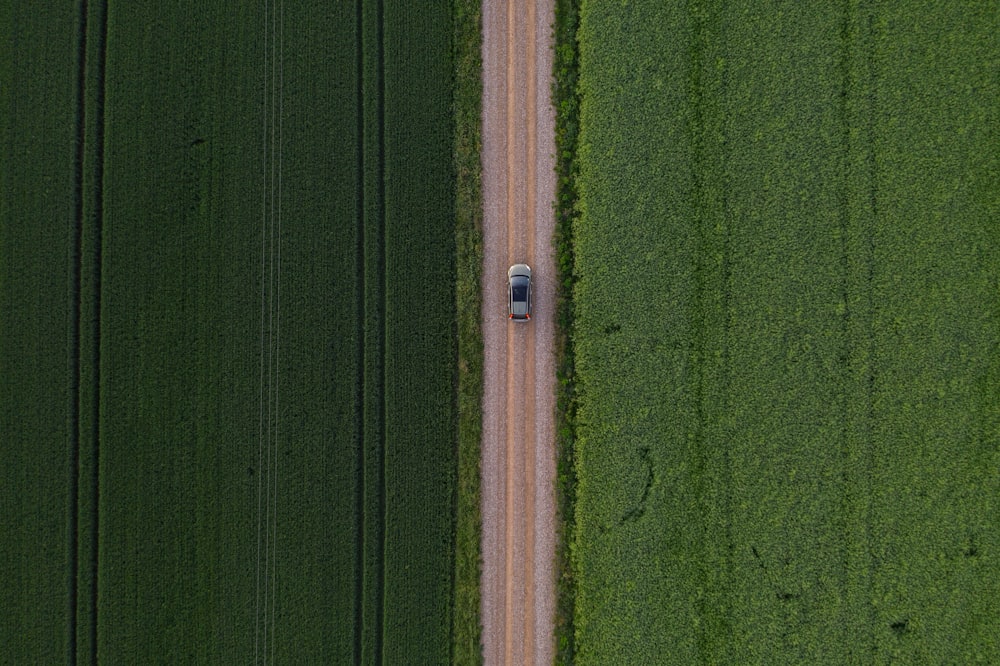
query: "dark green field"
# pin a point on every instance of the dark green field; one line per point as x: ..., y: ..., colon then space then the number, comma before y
x: 787, y: 334
x: 227, y: 407
x: 39, y: 202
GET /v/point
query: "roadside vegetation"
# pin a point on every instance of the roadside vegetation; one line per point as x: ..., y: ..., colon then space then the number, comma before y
x: 567, y: 104
x: 468, y: 93
x: 786, y: 325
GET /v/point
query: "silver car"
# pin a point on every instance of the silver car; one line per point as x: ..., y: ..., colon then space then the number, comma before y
x: 519, y: 292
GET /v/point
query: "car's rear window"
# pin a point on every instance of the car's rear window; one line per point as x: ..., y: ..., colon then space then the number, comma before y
x: 520, y: 293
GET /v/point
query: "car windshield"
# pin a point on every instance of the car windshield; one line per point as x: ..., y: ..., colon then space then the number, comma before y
x: 520, y: 293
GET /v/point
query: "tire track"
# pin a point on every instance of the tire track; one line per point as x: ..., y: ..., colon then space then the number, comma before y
x: 97, y: 258
x: 85, y: 335
x: 277, y: 324
x: 508, y: 597
x: 495, y: 330
x: 709, y: 318
x: 378, y: 347
x: 75, y: 268
x: 857, y: 265
x: 530, y: 392
x: 359, y: 349
x: 260, y: 541
x: 510, y: 491
x: 269, y: 517
x: 543, y: 445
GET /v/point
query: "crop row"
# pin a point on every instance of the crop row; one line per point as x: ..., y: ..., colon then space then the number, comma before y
x: 49, y: 259
x: 407, y: 241
x: 420, y: 351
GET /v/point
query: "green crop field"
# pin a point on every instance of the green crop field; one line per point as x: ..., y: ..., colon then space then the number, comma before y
x: 227, y: 333
x: 39, y: 200
x: 787, y: 333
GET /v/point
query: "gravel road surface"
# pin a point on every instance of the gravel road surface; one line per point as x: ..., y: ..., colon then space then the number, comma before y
x: 518, y: 449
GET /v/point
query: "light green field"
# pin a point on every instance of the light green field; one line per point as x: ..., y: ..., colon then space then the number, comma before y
x: 787, y: 334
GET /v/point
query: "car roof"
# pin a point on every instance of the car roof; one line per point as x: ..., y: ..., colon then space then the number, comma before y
x: 522, y: 270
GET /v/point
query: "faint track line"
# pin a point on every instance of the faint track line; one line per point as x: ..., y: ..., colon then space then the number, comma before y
x: 268, y: 439
x: 711, y: 321
x: 370, y: 499
x: 508, y: 457
x: 859, y: 353
x: 263, y: 295
x: 88, y: 428
x: 277, y: 325
x: 382, y: 327
x: 530, y: 387
x: 379, y: 346
x: 359, y: 350
x: 509, y: 510
x: 75, y: 267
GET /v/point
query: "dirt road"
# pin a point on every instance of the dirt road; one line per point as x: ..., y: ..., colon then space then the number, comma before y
x: 518, y: 464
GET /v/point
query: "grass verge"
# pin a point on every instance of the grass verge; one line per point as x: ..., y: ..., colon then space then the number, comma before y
x: 467, y: 632
x: 567, y: 104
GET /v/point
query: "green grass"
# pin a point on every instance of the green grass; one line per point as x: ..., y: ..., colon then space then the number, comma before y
x: 785, y: 334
